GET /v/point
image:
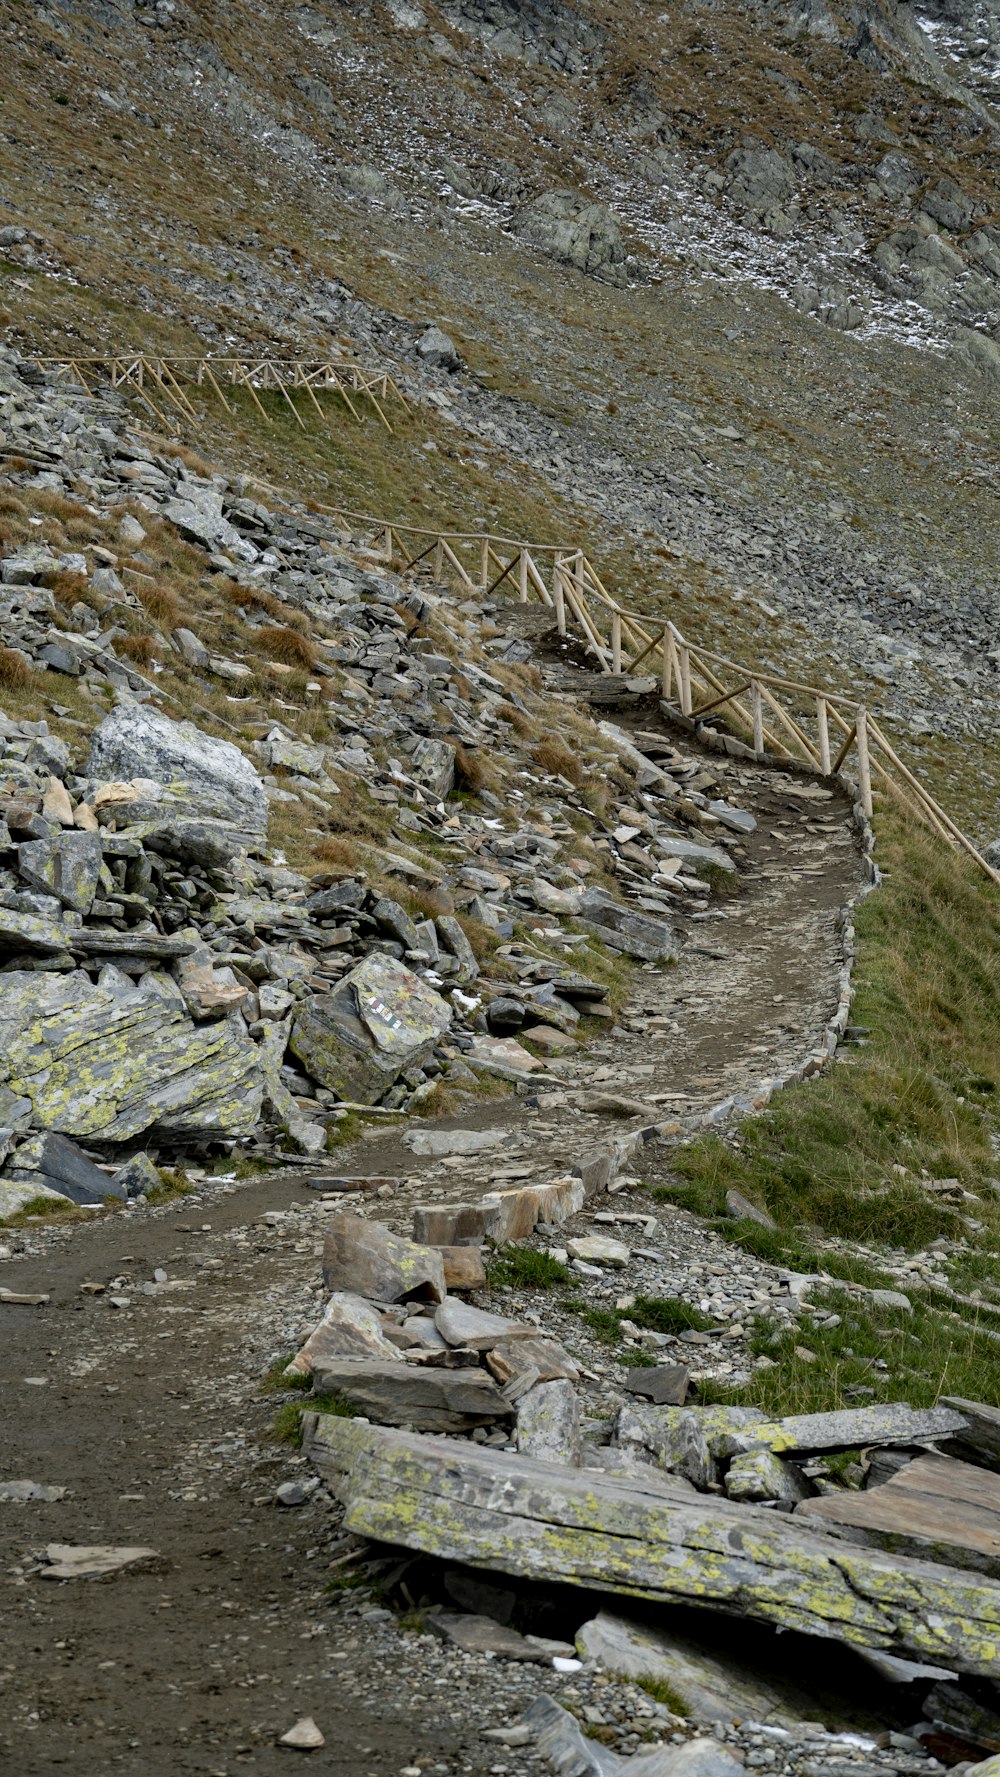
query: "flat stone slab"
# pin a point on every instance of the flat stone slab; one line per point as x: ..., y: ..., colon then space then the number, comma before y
x: 90, y: 1561
x: 461, y: 1324
x: 728, y: 1431
x: 662, y: 1384
x: 935, y: 1507
x: 598, y: 1249
x: 481, y: 1635
x: 406, y: 1394
x: 350, y: 1327
x: 640, y: 1535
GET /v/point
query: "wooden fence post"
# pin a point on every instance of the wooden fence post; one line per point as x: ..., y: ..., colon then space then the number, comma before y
x: 558, y: 594
x: 864, y: 764
x: 522, y: 576
x: 684, y: 676
x: 757, y: 710
x: 824, y: 736
x: 616, y: 641
x: 438, y: 560
x: 484, y: 564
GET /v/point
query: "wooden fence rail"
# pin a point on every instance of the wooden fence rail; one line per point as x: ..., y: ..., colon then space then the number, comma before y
x: 808, y: 725
x: 162, y: 383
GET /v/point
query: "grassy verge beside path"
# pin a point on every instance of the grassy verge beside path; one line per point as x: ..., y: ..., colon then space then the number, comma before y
x: 885, y: 1171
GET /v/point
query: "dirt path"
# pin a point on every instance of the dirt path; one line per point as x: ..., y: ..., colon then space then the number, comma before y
x: 151, y: 1413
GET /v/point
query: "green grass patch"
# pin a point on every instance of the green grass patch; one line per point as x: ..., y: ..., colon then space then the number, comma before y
x: 668, y: 1314
x: 524, y: 1268
x: 287, y: 1428
x: 873, y: 1355
x: 662, y: 1692
x: 276, y: 1381
x: 48, y: 1207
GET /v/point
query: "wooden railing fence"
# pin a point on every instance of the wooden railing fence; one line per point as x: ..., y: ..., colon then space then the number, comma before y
x: 170, y: 379
x: 808, y: 725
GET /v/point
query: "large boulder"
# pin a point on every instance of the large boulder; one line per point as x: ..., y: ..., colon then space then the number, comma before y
x: 378, y: 1020
x: 576, y: 231
x: 759, y: 179
x: 200, y: 776
x: 106, y: 1066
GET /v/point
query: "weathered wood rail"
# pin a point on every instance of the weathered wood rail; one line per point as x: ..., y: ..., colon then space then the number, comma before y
x: 809, y: 725
x: 169, y: 379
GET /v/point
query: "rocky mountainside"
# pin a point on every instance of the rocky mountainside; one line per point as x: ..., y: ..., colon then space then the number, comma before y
x: 722, y: 281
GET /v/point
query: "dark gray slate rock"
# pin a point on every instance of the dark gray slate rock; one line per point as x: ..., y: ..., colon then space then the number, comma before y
x: 405, y: 1394
x: 623, y: 928
x: 59, y: 1165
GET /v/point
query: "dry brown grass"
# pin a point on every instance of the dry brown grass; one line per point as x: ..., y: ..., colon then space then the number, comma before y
x: 140, y: 649
x: 282, y: 643
x: 556, y: 758
x: 253, y: 598
x: 341, y: 852
x: 522, y: 724
x: 68, y: 589
x: 470, y: 770
x: 15, y: 673
x: 161, y: 604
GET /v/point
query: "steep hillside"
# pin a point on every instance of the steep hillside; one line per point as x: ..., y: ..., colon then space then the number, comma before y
x: 756, y: 336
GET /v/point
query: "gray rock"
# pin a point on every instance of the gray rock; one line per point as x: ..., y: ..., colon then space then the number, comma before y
x: 202, y: 776
x: 108, y: 1067
x: 481, y: 1635
x: 379, y: 1019
x: 665, y: 1385
x: 709, y: 1679
x: 398, y: 1393
x: 437, y: 350
x: 437, y: 1143
x: 575, y: 231
x: 461, y: 1324
x: 622, y: 928
x: 557, y: 1736
x: 364, y: 1259
x: 349, y: 1327
x: 56, y: 1164
x: 432, y: 764
x: 68, y: 867
x: 548, y: 1423
x: 759, y: 179
x: 760, y: 1476
x: 742, y: 1210
x: 137, y: 1177
x: 188, y: 645
x: 455, y: 942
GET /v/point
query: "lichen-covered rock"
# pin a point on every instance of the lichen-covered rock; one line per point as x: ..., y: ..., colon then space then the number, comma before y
x: 548, y: 1423
x: 357, y: 1039
x: 201, y: 775
x: 68, y: 867
x: 364, y: 1259
x: 108, y: 1066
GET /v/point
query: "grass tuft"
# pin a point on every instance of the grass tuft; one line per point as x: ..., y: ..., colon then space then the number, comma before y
x: 524, y: 1267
